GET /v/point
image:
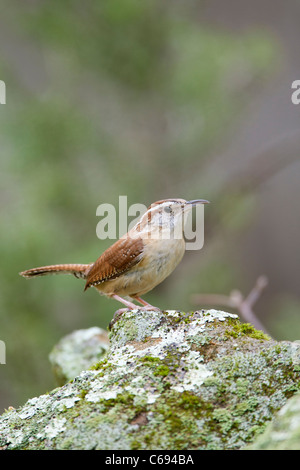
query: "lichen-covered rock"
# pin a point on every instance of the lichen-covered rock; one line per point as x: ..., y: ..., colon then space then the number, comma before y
x: 169, y: 380
x: 77, y: 352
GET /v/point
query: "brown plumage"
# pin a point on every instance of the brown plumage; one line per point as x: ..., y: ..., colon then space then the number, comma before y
x: 116, y: 260
x: 78, y: 270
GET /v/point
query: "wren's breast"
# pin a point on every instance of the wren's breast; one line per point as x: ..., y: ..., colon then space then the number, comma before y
x: 160, y: 258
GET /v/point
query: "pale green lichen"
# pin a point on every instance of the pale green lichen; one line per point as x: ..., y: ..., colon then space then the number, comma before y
x: 170, y: 380
x: 52, y: 429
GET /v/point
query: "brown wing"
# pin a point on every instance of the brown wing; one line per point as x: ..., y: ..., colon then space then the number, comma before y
x: 116, y: 260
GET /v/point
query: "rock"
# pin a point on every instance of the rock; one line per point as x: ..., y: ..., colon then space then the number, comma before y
x: 78, y: 351
x: 283, y: 433
x: 169, y: 380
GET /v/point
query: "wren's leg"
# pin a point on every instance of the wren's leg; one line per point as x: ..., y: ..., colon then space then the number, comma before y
x: 123, y: 301
x: 119, y: 312
x: 146, y: 304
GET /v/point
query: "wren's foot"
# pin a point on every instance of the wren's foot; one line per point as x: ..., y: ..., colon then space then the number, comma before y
x: 119, y: 312
x: 150, y: 307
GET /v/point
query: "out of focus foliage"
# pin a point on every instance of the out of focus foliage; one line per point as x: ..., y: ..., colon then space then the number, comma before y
x: 118, y: 97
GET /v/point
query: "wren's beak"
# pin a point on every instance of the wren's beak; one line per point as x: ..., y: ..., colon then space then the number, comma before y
x: 197, y: 201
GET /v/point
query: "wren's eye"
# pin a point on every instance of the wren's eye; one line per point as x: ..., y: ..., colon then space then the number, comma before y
x: 168, y: 209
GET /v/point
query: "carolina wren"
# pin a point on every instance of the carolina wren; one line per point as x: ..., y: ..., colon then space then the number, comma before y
x: 138, y: 261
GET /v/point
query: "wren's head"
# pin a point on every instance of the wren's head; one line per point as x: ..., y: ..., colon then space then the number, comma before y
x: 165, y: 219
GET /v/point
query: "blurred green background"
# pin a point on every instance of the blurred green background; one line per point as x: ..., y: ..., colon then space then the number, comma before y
x: 151, y: 100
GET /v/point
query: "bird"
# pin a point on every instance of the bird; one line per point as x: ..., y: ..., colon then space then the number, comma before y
x: 138, y: 261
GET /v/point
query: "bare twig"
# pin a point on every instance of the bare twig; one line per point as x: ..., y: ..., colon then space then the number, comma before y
x: 237, y: 301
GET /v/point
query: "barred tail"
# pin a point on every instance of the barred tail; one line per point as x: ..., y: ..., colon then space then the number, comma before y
x: 78, y: 270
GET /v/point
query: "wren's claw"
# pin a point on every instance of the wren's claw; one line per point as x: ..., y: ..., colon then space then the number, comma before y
x: 150, y: 307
